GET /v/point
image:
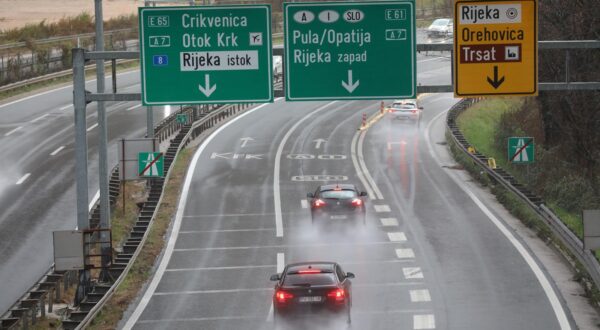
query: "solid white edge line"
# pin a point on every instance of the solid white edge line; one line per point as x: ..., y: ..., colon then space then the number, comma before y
x: 66, y: 107
x: 177, y: 223
x: 92, y: 127
x: 13, y: 130
x: 276, y: 170
x: 23, y: 178
x: 361, y: 161
x: 39, y: 118
x: 539, y: 274
x: 134, y: 107
x: 53, y: 153
x: 358, y: 169
x: 94, y: 200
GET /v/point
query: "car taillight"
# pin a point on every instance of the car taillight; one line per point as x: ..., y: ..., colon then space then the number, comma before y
x: 282, y: 296
x: 414, y: 111
x: 318, y: 203
x: 337, y: 294
x: 357, y: 202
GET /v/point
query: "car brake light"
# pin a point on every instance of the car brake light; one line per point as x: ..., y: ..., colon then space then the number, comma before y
x: 309, y: 271
x: 414, y: 111
x: 337, y: 294
x: 318, y: 203
x: 357, y: 202
x: 283, y: 296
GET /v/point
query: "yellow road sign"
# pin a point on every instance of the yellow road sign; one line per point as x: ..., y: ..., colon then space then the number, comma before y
x: 495, y: 48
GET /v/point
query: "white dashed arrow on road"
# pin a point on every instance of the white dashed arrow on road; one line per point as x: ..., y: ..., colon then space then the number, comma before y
x: 207, y: 90
x: 319, y: 142
x: 350, y: 86
x: 245, y: 141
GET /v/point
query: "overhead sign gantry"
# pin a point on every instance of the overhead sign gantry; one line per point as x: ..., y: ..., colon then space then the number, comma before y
x: 215, y: 54
x: 495, y: 48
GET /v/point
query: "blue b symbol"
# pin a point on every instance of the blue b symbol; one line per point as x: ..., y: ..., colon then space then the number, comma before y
x: 160, y: 60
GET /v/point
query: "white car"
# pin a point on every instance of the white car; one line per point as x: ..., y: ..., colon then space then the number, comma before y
x: 441, y: 27
x: 404, y: 109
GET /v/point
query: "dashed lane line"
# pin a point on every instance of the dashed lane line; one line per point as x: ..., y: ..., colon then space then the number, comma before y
x: 53, y: 153
x: 421, y: 322
x: 66, y: 107
x: 382, y: 208
x: 304, y: 203
x: 389, y: 222
x: 419, y: 295
x: 283, y: 246
x: 92, y: 127
x: 397, y: 236
x: 411, y: 273
x: 407, y: 253
x: 133, y: 107
x: 23, y: 178
x: 13, y: 130
x: 39, y: 118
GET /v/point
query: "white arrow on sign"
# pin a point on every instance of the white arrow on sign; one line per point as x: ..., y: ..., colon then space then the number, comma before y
x: 350, y: 86
x: 245, y: 140
x: 319, y: 142
x: 207, y: 90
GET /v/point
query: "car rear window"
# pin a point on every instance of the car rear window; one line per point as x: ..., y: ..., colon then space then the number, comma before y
x: 338, y: 194
x: 403, y: 106
x: 440, y: 22
x: 309, y: 279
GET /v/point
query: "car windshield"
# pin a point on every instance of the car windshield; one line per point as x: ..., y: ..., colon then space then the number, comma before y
x: 338, y: 194
x: 308, y: 280
x: 440, y: 22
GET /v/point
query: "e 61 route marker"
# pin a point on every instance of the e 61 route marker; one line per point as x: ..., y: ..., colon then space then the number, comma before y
x: 216, y: 54
x: 495, y: 47
x: 150, y: 164
x: 521, y: 150
x: 350, y: 50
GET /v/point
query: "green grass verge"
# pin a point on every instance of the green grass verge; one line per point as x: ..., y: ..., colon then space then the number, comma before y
x: 141, y: 269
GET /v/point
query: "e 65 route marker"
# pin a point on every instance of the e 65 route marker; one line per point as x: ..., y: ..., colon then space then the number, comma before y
x: 495, y: 47
x: 207, y: 54
x: 150, y: 164
x: 350, y: 50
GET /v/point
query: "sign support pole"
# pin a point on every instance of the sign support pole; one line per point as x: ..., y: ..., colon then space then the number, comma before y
x: 102, y: 145
x: 81, y: 174
x: 149, y: 113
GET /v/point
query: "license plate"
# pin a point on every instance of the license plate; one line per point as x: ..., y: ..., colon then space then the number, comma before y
x: 340, y: 216
x: 310, y: 299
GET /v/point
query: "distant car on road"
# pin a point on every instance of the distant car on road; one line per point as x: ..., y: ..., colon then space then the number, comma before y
x: 337, y: 201
x: 311, y: 287
x: 405, y: 109
x: 441, y: 27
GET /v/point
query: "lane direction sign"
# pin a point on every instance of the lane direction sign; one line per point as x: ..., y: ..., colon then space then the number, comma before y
x: 350, y: 50
x: 211, y: 54
x: 495, y: 47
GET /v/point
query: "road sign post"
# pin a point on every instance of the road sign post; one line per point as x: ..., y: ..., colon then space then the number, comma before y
x: 216, y: 54
x: 521, y: 150
x: 350, y: 50
x: 182, y: 118
x: 495, y: 48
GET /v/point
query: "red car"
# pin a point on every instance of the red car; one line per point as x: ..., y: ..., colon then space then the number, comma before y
x: 309, y: 287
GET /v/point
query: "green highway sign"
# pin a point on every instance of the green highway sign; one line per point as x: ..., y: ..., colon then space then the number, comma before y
x: 181, y: 118
x: 216, y: 54
x: 521, y: 150
x: 150, y: 164
x: 350, y: 50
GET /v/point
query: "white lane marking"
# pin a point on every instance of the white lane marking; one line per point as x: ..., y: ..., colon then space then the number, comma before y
x: 222, y: 248
x: 92, y: 127
x: 407, y: 253
x: 133, y: 107
x: 397, y: 236
x: 23, y: 178
x: 57, y: 151
x: 195, y: 269
x: 382, y: 208
x: 361, y: 161
x: 12, y: 131
x: 412, y: 272
x: 304, y: 203
x: 419, y: 295
x: 389, y: 222
x: 358, y: 169
x: 280, y: 262
x: 39, y: 118
x: 94, y: 200
x: 426, y: 321
x: 66, y: 107
x: 280, y: 267
x: 226, y: 230
x: 177, y: 223
x: 198, y: 319
x: 277, y: 169
x: 559, y: 311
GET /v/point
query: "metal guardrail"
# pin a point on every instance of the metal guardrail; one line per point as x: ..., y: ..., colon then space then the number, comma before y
x: 63, y: 38
x: 564, y: 234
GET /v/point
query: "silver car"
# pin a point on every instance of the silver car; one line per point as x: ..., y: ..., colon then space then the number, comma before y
x: 441, y: 27
x: 405, y: 109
